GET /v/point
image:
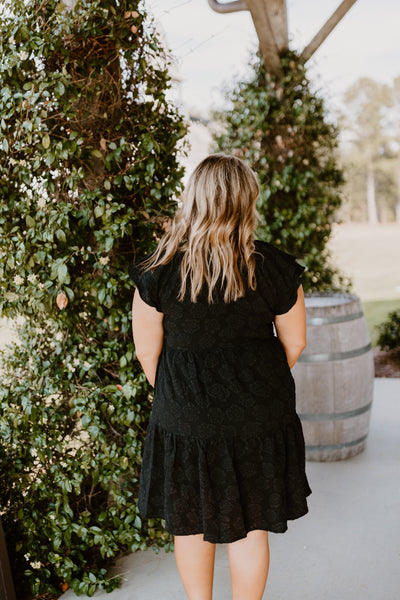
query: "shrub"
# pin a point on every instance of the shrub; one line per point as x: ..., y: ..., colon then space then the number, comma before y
x: 88, y: 174
x: 389, y: 332
x: 280, y: 126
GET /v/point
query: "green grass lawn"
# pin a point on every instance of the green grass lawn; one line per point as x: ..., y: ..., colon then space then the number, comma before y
x: 376, y: 311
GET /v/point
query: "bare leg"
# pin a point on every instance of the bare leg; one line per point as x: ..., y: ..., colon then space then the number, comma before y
x: 195, y: 561
x: 249, y: 564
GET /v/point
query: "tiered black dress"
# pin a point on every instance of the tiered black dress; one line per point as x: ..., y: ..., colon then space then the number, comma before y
x: 224, y: 451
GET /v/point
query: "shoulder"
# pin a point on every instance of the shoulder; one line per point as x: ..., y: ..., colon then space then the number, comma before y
x: 267, y: 250
x: 276, y: 262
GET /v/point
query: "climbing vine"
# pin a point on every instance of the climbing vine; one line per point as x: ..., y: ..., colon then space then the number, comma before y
x: 280, y: 125
x: 89, y: 172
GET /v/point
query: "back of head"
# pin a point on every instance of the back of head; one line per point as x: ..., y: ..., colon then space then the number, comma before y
x: 214, y: 227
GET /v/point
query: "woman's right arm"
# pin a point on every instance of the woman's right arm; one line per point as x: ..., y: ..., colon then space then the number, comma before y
x: 291, y: 329
x: 148, y: 335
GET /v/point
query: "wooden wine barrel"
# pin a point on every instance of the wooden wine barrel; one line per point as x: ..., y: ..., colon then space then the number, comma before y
x: 334, y: 378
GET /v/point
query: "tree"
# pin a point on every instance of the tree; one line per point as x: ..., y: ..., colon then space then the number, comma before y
x: 280, y: 126
x: 367, y: 103
x: 88, y: 174
x: 396, y: 97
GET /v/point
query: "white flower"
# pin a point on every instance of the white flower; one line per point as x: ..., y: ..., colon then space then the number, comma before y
x: 32, y: 278
x: 41, y: 202
x: 18, y: 280
x: 76, y: 362
x: 36, y: 565
x: 109, y: 197
x: 23, y: 54
x: 12, y: 40
x: 40, y: 285
x: 23, y: 162
x: 59, y: 336
x: 71, y: 368
x: 86, y: 364
x: 104, y: 260
x: 13, y: 161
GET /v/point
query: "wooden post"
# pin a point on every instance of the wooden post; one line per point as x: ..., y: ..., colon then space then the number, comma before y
x: 265, y: 33
x: 7, y: 591
x: 327, y: 28
x: 277, y: 15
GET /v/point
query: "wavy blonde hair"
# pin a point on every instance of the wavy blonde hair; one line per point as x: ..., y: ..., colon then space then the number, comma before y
x: 213, y: 229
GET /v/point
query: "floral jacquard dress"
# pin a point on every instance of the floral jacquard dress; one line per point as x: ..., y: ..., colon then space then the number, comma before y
x: 224, y: 450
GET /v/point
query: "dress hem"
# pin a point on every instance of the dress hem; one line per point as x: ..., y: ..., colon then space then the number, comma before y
x: 225, y: 540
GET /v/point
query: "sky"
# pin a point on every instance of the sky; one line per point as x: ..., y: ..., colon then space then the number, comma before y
x: 212, y: 49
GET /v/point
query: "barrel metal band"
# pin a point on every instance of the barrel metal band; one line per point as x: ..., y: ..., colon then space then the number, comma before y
x: 338, y: 446
x: 335, y: 355
x: 335, y: 416
x: 328, y: 320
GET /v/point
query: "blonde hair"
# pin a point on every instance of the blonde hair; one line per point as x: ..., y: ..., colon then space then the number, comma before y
x: 213, y: 229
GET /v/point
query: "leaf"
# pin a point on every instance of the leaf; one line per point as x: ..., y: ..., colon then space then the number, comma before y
x: 62, y: 273
x: 70, y: 293
x: 97, y: 154
x: 60, y: 235
x: 109, y: 244
x: 61, y: 300
x: 5, y: 145
x: 107, y: 185
x: 94, y: 430
x: 46, y: 141
x: 30, y: 221
x: 60, y: 88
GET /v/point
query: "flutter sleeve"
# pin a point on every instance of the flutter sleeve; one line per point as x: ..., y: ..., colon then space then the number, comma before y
x: 147, y: 282
x: 284, y: 274
x: 289, y: 274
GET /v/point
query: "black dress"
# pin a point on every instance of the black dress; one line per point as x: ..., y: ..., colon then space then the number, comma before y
x: 224, y: 451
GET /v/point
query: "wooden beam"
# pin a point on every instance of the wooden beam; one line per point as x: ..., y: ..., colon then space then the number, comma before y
x: 7, y: 591
x: 327, y: 28
x: 227, y: 7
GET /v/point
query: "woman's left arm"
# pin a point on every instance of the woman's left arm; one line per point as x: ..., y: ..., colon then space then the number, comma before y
x: 148, y: 335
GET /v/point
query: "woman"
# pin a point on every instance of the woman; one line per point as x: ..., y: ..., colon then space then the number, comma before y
x: 223, y: 459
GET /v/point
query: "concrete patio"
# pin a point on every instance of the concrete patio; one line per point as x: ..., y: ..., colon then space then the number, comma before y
x: 346, y: 548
